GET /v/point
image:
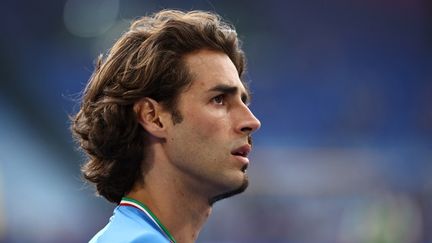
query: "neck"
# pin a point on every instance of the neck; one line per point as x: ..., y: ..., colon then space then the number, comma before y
x: 178, y: 208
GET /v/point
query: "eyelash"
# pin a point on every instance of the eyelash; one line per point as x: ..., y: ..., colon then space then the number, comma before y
x: 246, y: 102
x: 222, y: 101
x: 222, y: 97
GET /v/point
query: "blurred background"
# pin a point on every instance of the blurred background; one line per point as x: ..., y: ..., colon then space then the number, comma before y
x: 343, y: 89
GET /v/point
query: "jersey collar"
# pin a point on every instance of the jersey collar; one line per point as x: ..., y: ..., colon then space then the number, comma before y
x: 126, y: 201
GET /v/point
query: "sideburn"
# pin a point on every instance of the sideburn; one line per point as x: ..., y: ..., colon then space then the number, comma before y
x: 176, y: 116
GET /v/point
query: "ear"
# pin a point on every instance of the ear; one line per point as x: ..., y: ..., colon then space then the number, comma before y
x: 149, y: 114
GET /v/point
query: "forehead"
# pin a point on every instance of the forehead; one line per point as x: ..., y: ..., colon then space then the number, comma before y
x: 210, y: 68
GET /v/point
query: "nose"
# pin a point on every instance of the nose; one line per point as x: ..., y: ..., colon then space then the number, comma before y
x: 248, y: 122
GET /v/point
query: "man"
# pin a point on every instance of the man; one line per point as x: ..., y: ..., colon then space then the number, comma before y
x: 166, y: 124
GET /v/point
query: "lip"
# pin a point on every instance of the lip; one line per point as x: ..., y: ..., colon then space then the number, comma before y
x: 241, y: 153
x: 244, y: 160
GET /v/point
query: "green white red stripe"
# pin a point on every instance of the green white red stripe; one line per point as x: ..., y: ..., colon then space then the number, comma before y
x: 137, y: 204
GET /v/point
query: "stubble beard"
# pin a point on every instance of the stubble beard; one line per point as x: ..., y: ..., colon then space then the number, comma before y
x: 177, y: 118
x: 231, y: 193
x: 234, y: 192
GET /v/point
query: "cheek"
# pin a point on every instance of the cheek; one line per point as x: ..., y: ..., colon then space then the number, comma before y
x: 208, y: 123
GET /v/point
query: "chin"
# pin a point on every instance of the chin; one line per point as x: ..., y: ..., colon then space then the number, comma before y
x: 231, y: 193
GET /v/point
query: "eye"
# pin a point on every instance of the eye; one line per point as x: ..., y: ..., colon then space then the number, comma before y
x: 245, y: 100
x: 219, y: 100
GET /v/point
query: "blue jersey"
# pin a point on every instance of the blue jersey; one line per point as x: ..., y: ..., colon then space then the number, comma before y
x: 132, y: 221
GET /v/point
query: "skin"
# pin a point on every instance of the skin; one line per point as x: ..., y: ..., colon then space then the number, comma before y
x: 191, y: 163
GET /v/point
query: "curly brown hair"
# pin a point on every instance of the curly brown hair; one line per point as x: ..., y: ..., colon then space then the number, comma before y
x: 145, y: 62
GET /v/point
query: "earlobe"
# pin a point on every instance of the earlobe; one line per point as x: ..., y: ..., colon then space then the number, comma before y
x: 148, y: 113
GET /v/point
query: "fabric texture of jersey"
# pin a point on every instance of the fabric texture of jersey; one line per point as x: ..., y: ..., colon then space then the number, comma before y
x: 130, y: 224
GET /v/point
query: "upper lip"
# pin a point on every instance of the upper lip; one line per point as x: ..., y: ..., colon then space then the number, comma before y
x: 242, y: 151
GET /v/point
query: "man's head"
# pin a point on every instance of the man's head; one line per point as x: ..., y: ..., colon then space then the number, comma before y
x: 207, y: 151
x: 149, y: 61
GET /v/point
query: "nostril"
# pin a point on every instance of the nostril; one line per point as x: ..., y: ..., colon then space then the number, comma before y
x: 246, y: 129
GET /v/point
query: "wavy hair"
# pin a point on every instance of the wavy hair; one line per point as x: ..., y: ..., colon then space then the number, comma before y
x: 146, y: 61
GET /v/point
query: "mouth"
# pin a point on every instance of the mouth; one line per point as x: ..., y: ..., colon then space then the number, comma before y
x: 242, y: 151
x: 241, y: 154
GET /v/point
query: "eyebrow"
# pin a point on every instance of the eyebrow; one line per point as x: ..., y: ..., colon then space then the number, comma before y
x: 231, y: 90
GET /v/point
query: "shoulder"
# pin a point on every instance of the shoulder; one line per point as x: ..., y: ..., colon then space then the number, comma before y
x: 127, y: 226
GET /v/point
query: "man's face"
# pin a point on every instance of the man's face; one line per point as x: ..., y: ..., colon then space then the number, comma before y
x: 209, y: 147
